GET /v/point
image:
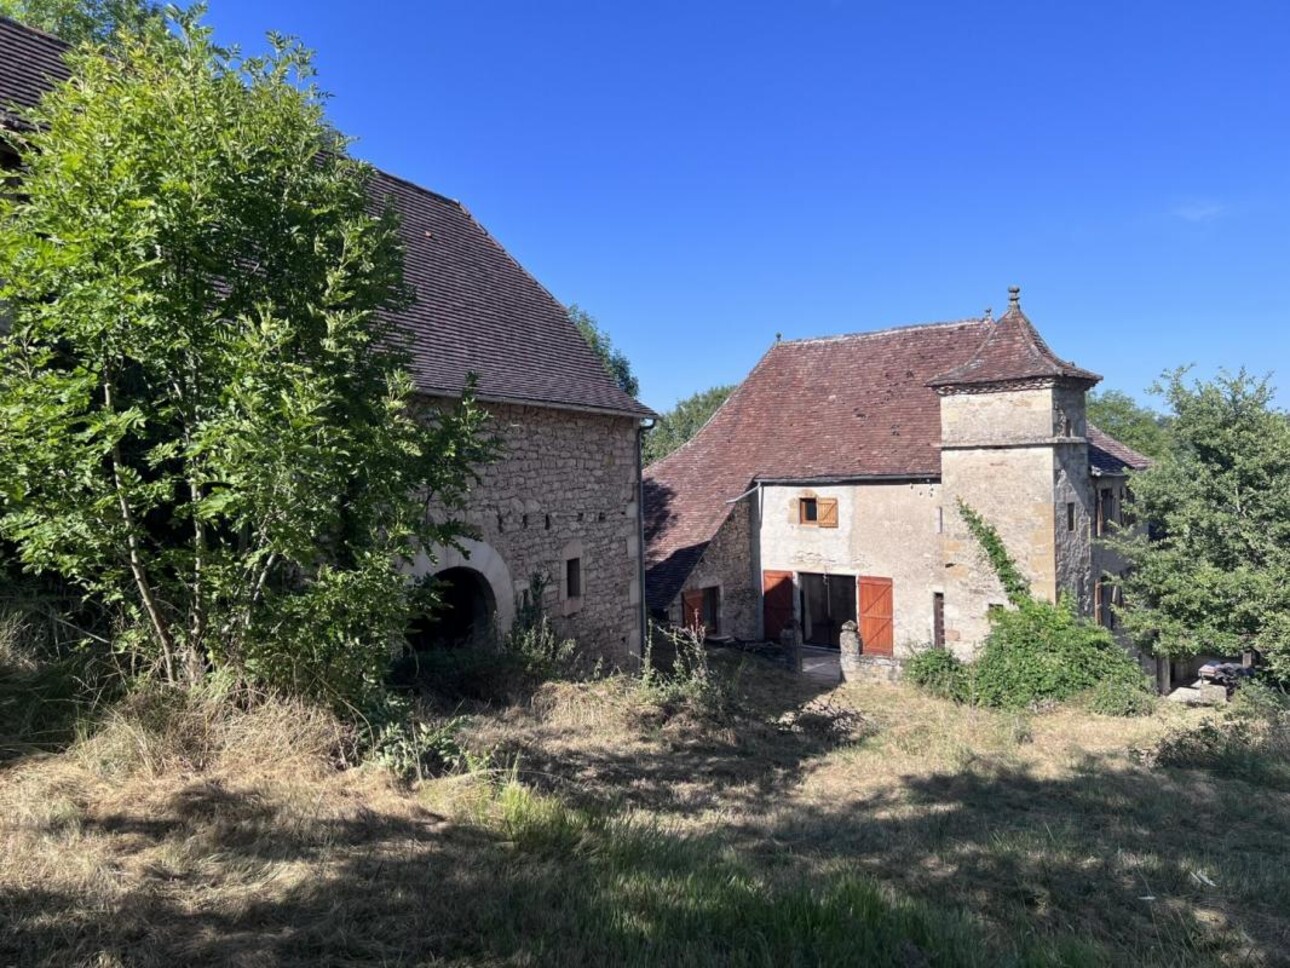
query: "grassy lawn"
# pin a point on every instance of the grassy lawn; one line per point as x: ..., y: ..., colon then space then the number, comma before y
x: 800, y: 825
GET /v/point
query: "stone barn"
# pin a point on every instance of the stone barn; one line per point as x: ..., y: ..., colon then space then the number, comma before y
x: 563, y: 501
x: 826, y: 489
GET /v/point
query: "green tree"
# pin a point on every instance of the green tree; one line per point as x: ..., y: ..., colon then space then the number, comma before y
x: 1214, y: 575
x: 619, y: 367
x: 1127, y: 421
x: 683, y: 421
x: 203, y: 423
x: 81, y: 21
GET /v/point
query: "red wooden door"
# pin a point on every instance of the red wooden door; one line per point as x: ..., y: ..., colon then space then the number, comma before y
x: 876, y: 629
x: 692, y: 609
x: 777, y: 602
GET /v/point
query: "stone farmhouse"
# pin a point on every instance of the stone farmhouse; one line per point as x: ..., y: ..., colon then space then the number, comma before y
x: 564, y: 499
x: 826, y: 489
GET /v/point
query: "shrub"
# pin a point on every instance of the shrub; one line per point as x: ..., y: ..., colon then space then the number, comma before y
x: 1122, y: 697
x: 940, y: 672
x: 1042, y: 653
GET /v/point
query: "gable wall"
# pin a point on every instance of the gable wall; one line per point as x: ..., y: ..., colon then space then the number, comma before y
x: 885, y: 530
x: 579, y: 470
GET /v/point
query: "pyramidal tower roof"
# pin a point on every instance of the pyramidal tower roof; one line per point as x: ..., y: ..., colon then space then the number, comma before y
x: 1011, y: 351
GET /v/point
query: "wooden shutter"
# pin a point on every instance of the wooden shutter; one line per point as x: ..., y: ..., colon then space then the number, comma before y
x: 777, y: 602
x: 692, y: 608
x: 877, y: 632
x: 827, y: 508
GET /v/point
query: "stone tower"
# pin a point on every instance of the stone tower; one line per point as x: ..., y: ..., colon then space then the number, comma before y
x: 1013, y: 447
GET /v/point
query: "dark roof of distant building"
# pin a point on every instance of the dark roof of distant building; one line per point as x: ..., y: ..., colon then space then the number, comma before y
x: 476, y: 309
x: 839, y: 408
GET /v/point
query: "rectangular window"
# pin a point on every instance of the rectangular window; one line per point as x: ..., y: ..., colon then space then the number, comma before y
x: 1107, y: 512
x: 1105, y: 597
x: 1070, y: 515
x: 817, y: 512
x: 938, y: 619
x: 573, y: 578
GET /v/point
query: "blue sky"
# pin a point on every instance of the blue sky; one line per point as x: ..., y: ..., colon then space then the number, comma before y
x: 703, y: 175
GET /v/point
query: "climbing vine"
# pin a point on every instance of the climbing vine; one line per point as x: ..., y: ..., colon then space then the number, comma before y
x: 1004, y: 565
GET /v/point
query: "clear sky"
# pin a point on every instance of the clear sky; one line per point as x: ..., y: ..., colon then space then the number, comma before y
x: 702, y: 175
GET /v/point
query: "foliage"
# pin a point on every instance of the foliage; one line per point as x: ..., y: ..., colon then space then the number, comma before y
x: 676, y: 671
x: 533, y: 643
x: 414, y: 750
x: 940, y: 672
x: 682, y: 422
x: 1043, y: 653
x: 1214, y: 574
x: 616, y: 362
x: 1036, y: 653
x: 1127, y: 696
x: 1001, y: 561
x: 83, y: 21
x: 204, y: 422
x: 1250, y: 741
x: 1119, y: 415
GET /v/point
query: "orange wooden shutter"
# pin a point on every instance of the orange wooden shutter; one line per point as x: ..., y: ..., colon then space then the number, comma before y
x: 828, y: 512
x: 692, y: 609
x: 777, y: 601
x: 877, y: 633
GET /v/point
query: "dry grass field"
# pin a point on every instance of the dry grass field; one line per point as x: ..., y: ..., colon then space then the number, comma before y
x: 606, y: 823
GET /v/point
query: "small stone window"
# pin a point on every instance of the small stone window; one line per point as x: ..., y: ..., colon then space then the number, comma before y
x: 817, y: 512
x: 1108, y: 511
x: 573, y: 578
x: 1070, y: 515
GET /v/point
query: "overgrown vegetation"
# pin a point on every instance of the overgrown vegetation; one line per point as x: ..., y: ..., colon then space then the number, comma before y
x: 1036, y: 653
x: 1212, y: 573
x: 614, y: 360
x: 206, y: 423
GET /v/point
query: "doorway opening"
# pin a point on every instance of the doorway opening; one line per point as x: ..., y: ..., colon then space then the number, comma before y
x: 827, y: 601
x: 465, y: 616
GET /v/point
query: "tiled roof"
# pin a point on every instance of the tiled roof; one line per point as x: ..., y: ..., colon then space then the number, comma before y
x: 1012, y: 350
x: 843, y: 407
x: 30, y: 62
x: 476, y: 310
x: 1106, y: 455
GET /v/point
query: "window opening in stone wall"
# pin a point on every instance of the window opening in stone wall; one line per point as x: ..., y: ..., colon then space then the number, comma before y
x: 817, y: 512
x: 808, y: 510
x: 573, y: 578
x: 1106, y: 510
x: 938, y: 619
x: 1070, y: 515
x: 940, y: 520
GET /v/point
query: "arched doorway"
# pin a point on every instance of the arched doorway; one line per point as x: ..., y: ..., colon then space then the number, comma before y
x: 466, y: 616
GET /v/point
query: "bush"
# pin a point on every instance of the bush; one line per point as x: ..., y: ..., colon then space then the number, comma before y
x: 1042, y: 653
x: 940, y: 672
x: 1122, y: 697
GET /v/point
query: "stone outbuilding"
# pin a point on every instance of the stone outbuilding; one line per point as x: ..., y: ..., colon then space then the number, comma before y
x: 563, y: 501
x: 826, y: 489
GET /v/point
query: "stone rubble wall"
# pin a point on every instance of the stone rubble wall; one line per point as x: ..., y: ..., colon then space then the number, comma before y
x: 727, y: 563
x: 567, y: 485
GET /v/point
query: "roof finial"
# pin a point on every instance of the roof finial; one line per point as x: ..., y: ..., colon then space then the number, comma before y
x: 989, y: 313
x: 1014, y: 297
x: 778, y: 337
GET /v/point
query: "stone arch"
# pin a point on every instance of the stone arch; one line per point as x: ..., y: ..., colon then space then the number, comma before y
x: 482, y: 559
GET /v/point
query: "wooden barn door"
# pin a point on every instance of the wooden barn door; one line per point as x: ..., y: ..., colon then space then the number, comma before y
x: 876, y: 627
x: 692, y: 609
x: 777, y: 602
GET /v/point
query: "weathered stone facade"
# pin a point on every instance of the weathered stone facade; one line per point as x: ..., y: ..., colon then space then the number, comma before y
x: 729, y: 565
x: 889, y: 530
x: 566, y: 486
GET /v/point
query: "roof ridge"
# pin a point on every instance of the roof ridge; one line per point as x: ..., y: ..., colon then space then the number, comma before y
x: 421, y: 189
x: 39, y: 32
x: 839, y: 337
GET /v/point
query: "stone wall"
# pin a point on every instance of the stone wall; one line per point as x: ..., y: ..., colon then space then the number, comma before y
x: 885, y: 530
x: 727, y: 564
x: 567, y: 485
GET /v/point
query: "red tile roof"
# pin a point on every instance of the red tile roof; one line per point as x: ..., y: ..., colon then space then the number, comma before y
x: 1106, y: 455
x: 1012, y: 351
x: 476, y: 310
x: 842, y: 407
